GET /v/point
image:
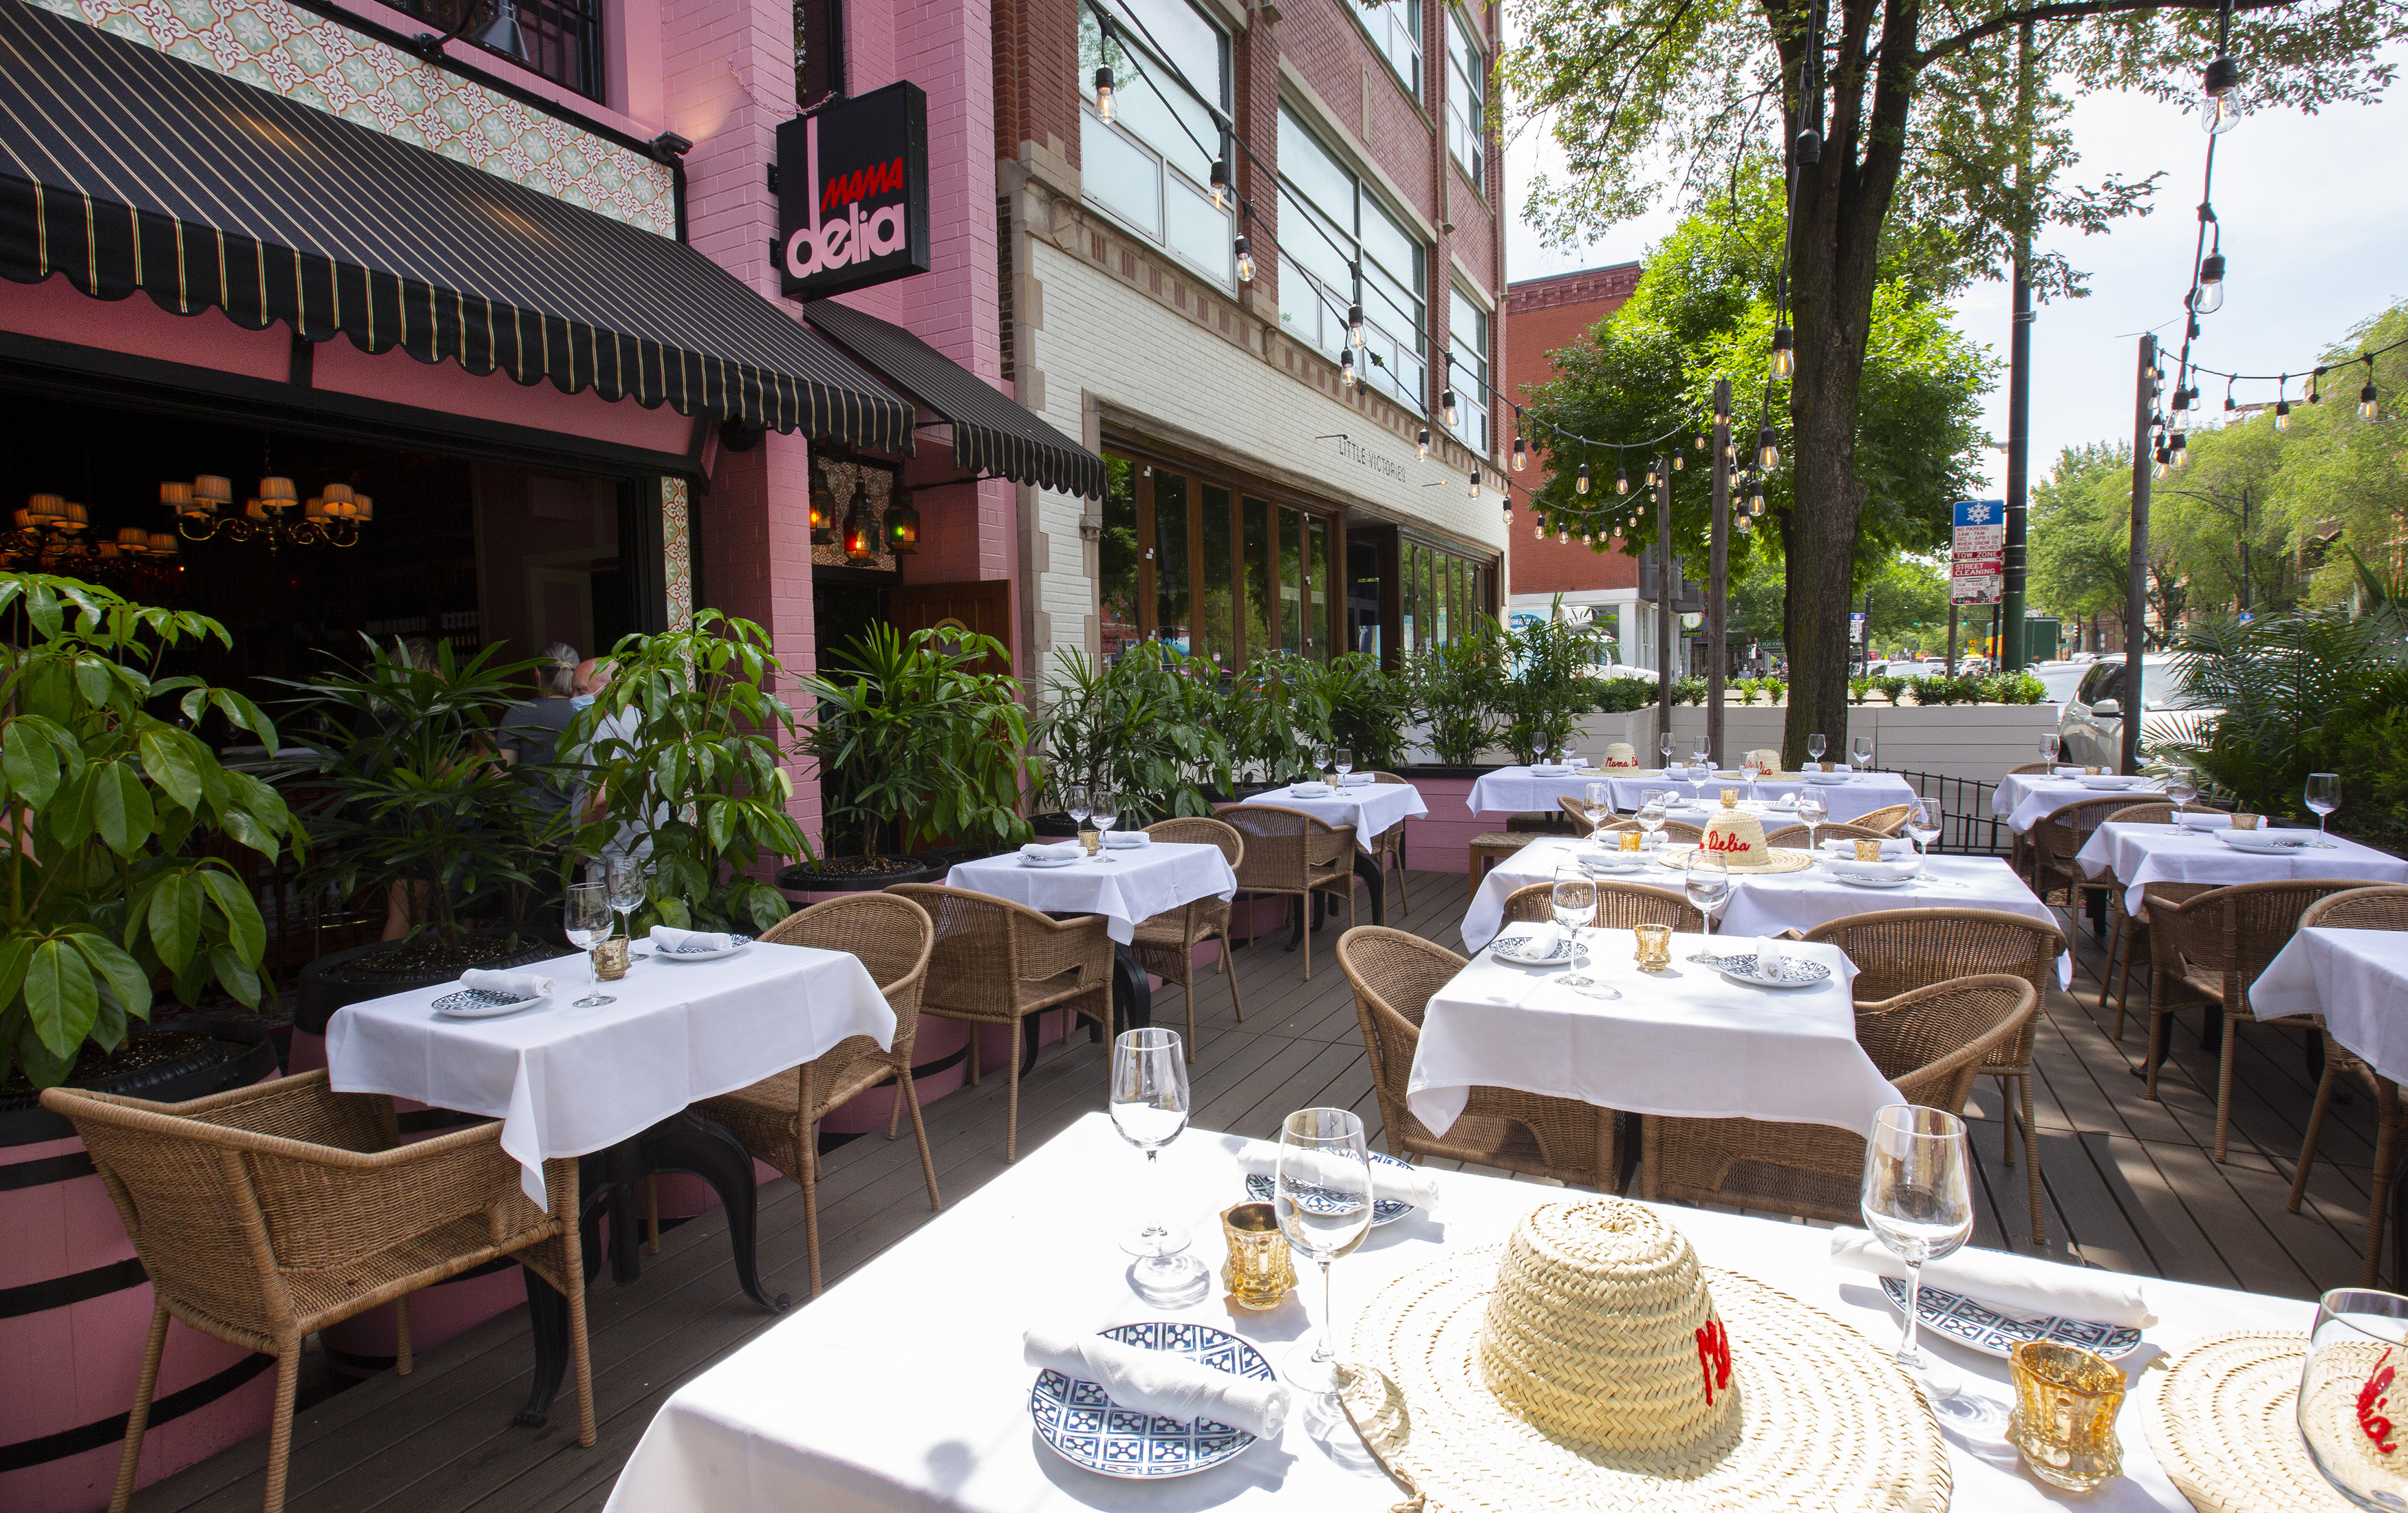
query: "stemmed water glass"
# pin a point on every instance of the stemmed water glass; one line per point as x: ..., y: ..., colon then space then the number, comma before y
x: 1664, y: 744
x: 1923, y: 823
x: 1697, y: 756
x: 2323, y: 797
x: 1319, y: 758
x: 1575, y: 906
x: 1815, y: 746
x: 585, y: 919
x: 1705, y: 877
x: 1345, y: 762
x: 1918, y: 1201
x: 1597, y: 806
x: 1074, y: 803
x: 2182, y: 787
x: 1751, y: 767
x: 1149, y: 1106
x: 2357, y: 1339
x: 2049, y: 743
x: 1811, y: 811
x: 1861, y: 754
x: 1323, y: 1197
x: 1651, y: 815
x: 626, y: 889
x: 1104, y: 805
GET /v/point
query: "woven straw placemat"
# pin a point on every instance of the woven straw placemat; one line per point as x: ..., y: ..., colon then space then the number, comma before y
x: 2226, y: 1430
x: 1826, y: 1420
x: 1777, y: 859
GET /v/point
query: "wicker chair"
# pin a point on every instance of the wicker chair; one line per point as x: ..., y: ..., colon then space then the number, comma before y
x: 1931, y: 1042
x: 1619, y: 906
x: 1889, y: 821
x: 1897, y: 950
x: 2204, y: 952
x: 2125, y: 930
x: 777, y: 1117
x: 265, y: 1214
x: 1166, y: 944
x: 1294, y: 854
x: 2383, y: 907
x: 2056, y: 836
x: 1681, y: 833
x: 1393, y: 975
x: 1577, y: 812
x: 1390, y: 847
x: 996, y: 962
x: 1794, y: 835
x: 2029, y: 767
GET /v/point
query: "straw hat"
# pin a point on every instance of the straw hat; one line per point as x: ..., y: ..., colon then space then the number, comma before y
x: 2226, y: 1427
x: 1621, y: 754
x: 1592, y: 1364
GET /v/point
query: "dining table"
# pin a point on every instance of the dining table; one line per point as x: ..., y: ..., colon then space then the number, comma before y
x: 2358, y: 979
x: 2135, y: 856
x: 613, y: 1083
x: 839, y: 1408
x: 1519, y: 790
x: 1370, y: 806
x: 2024, y: 798
x: 1771, y: 902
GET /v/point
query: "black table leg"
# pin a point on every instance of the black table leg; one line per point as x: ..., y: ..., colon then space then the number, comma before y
x: 548, y: 1317
x: 1367, y: 867
x: 689, y: 1143
x: 1132, y: 991
x: 1296, y: 936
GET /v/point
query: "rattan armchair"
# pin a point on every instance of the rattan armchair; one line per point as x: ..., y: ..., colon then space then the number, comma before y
x: 1930, y: 1043
x: 777, y: 1117
x: 1166, y: 944
x: 2125, y: 930
x: 1294, y: 854
x: 1393, y: 975
x: 2382, y: 907
x: 1829, y: 830
x: 1578, y: 814
x: 265, y: 1214
x: 996, y: 962
x: 2055, y: 838
x: 1388, y: 848
x: 1619, y: 906
x: 1897, y: 950
x: 2204, y: 951
x: 1889, y: 821
x: 1681, y: 833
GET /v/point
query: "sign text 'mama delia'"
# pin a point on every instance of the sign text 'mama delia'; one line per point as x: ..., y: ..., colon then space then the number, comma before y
x: 852, y: 200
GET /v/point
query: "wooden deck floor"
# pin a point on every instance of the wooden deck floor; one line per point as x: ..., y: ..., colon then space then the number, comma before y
x: 2131, y: 1187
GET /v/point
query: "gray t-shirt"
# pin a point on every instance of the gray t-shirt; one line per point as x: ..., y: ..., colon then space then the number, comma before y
x: 532, y: 732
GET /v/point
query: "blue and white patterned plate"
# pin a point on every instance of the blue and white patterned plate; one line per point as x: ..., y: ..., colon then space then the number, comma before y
x: 1085, y: 1427
x: 1794, y: 972
x: 482, y: 1003
x: 1384, y: 1210
x: 1533, y: 951
x: 1992, y: 1332
x: 701, y: 953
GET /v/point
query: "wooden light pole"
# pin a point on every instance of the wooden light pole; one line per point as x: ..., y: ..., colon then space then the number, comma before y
x: 1718, y: 573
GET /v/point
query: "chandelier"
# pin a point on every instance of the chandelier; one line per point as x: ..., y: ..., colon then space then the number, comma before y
x: 50, y: 536
x: 204, y: 509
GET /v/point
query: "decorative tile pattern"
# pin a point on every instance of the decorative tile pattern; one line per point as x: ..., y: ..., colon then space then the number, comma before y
x: 677, y: 552
x: 1986, y: 1330
x: 330, y: 67
x: 1086, y: 1428
x: 1323, y: 1201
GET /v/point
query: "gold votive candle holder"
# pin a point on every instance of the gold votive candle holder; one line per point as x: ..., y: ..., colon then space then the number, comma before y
x: 1731, y: 797
x: 1869, y: 851
x: 1655, y: 949
x: 1260, y: 1270
x: 1630, y: 841
x: 2064, y: 1418
x: 1091, y: 840
x: 610, y: 959
x: 2244, y: 822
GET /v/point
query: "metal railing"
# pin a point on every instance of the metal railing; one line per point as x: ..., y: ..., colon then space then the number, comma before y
x: 562, y: 37
x: 1966, y: 827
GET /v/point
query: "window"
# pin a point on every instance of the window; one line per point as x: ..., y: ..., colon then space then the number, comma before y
x: 1467, y: 326
x: 1152, y: 164
x: 1209, y: 568
x: 1330, y: 223
x: 1467, y: 98
x: 562, y: 37
x: 1169, y: 546
x: 1116, y: 561
x: 1396, y: 28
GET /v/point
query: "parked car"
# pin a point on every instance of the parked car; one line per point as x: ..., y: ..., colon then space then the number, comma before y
x: 1974, y: 666
x: 2092, y: 726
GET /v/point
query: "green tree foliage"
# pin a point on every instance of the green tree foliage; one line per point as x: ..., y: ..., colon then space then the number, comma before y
x: 1148, y: 725
x: 1908, y: 601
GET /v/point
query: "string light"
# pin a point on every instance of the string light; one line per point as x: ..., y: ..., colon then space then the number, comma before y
x: 1355, y: 328
x: 1508, y: 509
x: 2367, y: 409
x: 1521, y: 457
x: 1581, y: 480
x: 1475, y: 486
x: 1346, y: 367
x: 1620, y: 480
x: 2219, y: 90
x: 1245, y: 261
x: 1617, y: 529
x: 1785, y: 361
x: 2228, y: 406
x: 1563, y: 537
x: 1446, y: 405
x: 2210, y: 296
x: 1768, y: 453
x: 2282, y: 404
x: 2177, y: 454
x: 2315, y: 395
x: 1104, y: 91
x: 1422, y: 444
x: 1679, y: 462
x: 1742, y: 523
x: 1220, y: 183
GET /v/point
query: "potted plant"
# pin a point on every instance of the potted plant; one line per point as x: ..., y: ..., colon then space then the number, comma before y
x: 1547, y: 687
x: 1454, y: 689
x: 1280, y: 714
x: 914, y: 741
x: 1368, y: 710
x: 1134, y: 725
x: 680, y: 753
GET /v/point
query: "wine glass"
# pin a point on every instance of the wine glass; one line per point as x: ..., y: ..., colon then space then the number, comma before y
x: 2323, y: 797
x: 2049, y: 744
x: 1323, y: 1197
x: 585, y: 919
x: 1698, y: 752
x: 1104, y: 807
x: 2182, y: 787
x: 1811, y: 811
x: 2345, y: 1391
x: 1664, y: 744
x: 1074, y: 803
x: 1575, y: 906
x: 1149, y: 1107
x: 1861, y: 753
x: 626, y: 889
x: 1597, y: 806
x: 1651, y: 815
x: 1815, y: 746
x: 1345, y: 762
x: 1923, y: 823
x: 1918, y: 1201
x: 1320, y: 764
x: 1705, y: 877
x: 1751, y: 767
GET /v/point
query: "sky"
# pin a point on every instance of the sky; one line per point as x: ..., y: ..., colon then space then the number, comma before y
x: 2314, y: 212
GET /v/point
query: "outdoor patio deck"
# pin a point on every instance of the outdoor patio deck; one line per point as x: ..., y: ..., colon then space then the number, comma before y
x: 2130, y: 1184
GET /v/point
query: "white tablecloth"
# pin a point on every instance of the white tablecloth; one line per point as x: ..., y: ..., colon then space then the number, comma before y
x: 1516, y: 790
x: 567, y: 1081
x: 1689, y: 1042
x: 1139, y: 883
x: 1369, y: 807
x: 1776, y: 901
x: 868, y: 1400
x: 2358, y: 979
x: 2022, y: 798
x: 2136, y: 854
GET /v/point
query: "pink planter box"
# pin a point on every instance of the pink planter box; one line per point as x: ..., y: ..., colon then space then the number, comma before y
x: 1441, y: 841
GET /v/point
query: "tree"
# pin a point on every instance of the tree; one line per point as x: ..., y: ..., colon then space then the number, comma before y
x: 1628, y: 82
x: 1909, y: 595
x: 2079, y: 513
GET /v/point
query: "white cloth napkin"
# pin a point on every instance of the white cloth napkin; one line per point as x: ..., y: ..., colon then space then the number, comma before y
x: 2197, y: 820
x: 1309, y: 790
x: 1900, y: 850
x: 2011, y: 1284
x: 516, y: 984
x: 1355, y: 780
x: 1771, y: 955
x: 1549, y: 769
x: 1041, y: 850
x: 1787, y: 801
x: 1148, y: 1381
x: 1414, y: 1185
x: 1125, y: 840
x: 666, y: 939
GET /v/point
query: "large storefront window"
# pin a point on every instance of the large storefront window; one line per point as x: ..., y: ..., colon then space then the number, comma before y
x: 1116, y: 560
x: 1261, y: 566
x: 1150, y: 166
x: 1330, y: 223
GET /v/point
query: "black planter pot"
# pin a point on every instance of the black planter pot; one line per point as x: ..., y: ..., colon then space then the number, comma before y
x: 235, y: 1055
x: 1054, y: 825
x: 354, y: 977
x: 798, y: 878
x: 1432, y: 769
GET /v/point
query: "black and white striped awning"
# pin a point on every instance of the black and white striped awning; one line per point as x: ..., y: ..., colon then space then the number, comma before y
x: 124, y: 169
x: 993, y: 436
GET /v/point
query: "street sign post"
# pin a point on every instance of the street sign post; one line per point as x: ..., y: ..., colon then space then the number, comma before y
x: 1977, y: 558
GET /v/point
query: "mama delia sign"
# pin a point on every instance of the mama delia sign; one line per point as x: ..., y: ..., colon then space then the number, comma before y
x: 852, y: 194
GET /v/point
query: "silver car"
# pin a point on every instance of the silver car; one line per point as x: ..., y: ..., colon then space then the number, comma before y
x: 2092, y: 726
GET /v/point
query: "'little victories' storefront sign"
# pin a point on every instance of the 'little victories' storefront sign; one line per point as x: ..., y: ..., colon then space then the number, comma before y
x: 852, y: 194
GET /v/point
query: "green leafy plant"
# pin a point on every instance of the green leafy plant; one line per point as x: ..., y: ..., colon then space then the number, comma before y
x: 2017, y: 687
x: 1146, y: 726
x: 408, y: 793
x: 1546, y: 687
x: 912, y: 739
x: 1368, y: 710
x: 680, y: 747
x: 1892, y: 686
x: 1620, y: 696
x: 1858, y: 687
x: 2360, y: 741
x: 1690, y: 690
x: 110, y: 809
x: 1775, y: 691
x: 1277, y: 713
x: 1455, y: 690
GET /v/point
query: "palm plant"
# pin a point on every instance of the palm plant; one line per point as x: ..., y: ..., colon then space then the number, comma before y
x: 1135, y: 725
x: 1547, y: 687
x: 2274, y: 683
x: 1280, y: 713
x: 1368, y: 709
x: 1454, y: 689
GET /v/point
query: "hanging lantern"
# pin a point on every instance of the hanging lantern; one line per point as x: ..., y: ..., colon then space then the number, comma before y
x: 860, y: 533
x: 902, y: 525
x: 822, y: 515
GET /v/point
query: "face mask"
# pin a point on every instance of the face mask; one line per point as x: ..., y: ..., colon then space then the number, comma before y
x: 581, y: 701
